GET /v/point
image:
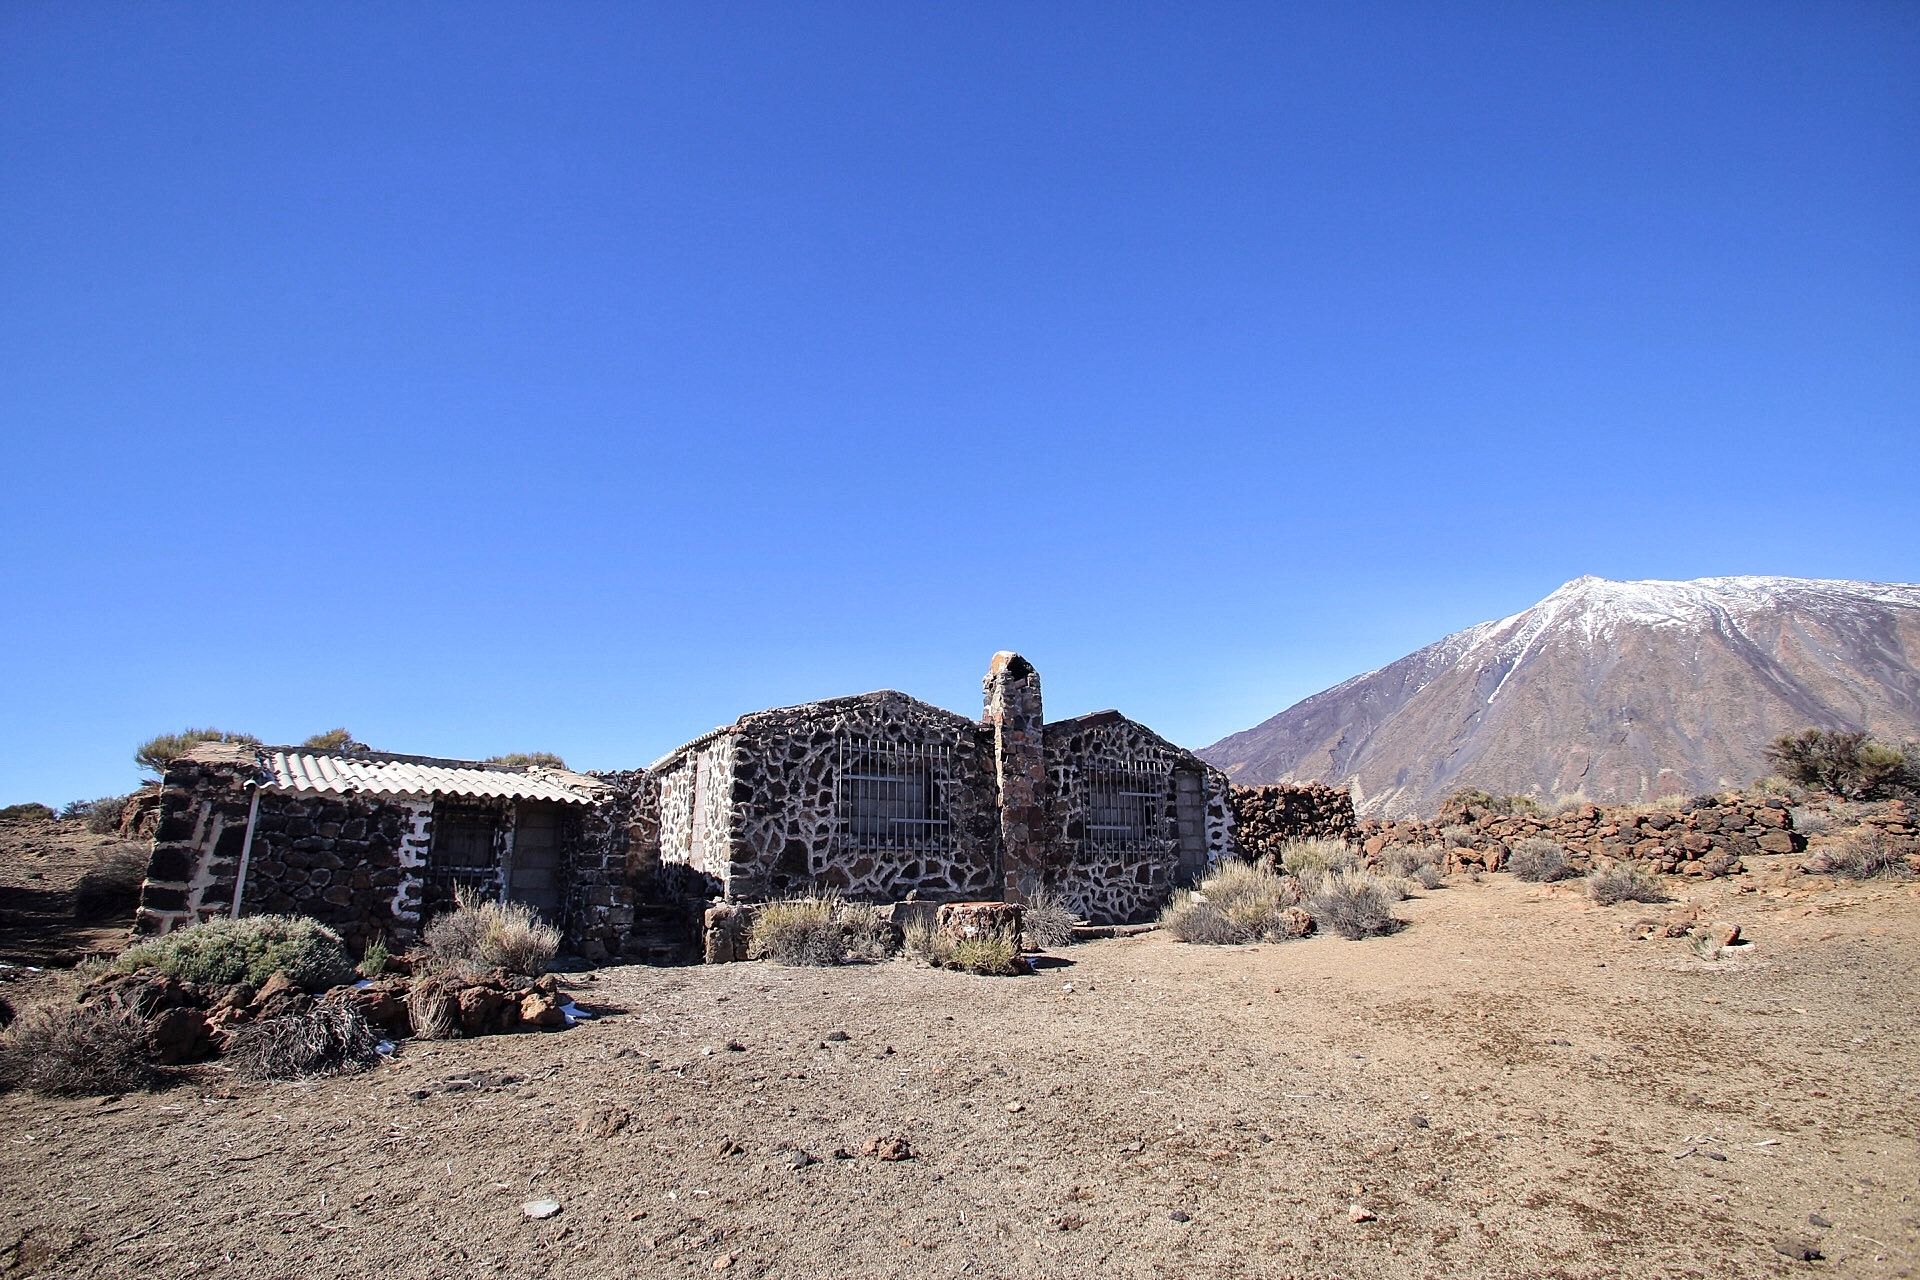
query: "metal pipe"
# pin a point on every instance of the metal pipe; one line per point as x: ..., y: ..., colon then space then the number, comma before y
x: 246, y: 853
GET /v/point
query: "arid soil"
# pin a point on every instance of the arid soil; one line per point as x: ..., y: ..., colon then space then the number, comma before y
x: 41, y: 864
x: 1512, y: 1086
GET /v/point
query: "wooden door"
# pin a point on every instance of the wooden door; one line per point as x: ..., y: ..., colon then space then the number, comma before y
x: 535, y: 874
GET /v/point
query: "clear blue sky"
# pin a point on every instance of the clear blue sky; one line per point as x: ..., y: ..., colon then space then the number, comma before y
x: 578, y: 377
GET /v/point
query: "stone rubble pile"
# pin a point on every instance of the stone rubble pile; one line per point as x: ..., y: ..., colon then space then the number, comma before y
x: 1707, y: 838
x: 189, y: 1021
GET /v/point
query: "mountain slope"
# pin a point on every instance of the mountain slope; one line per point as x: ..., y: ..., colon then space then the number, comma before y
x: 1619, y: 690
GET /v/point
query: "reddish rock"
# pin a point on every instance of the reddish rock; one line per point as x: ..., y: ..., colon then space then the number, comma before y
x: 976, y: 919
x: 541, y: 1011
x: 180, y: 1035
x: 1782, y: 842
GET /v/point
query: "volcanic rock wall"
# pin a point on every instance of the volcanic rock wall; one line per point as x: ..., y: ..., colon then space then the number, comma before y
x: 1708, y: 837
x: 1264, y: 818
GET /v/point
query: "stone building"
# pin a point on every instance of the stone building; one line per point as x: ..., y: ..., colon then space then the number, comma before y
x: 884, y: 797
x: 374, y: 843
x: 881, y: 797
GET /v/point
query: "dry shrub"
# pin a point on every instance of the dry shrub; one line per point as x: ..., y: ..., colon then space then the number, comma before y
x: 111, y: 886
x: 250, y: 950
x: 1459, y: 836
x: 1316, y: 855
x: 85, y: 1049
x: 819, y: 932
x: 1419, y: 864
x: 491, y: 935
x: 1539, y: 861
x: 330, y: 1039
x: 924, y: 941
x: 1867, y: 853
x: 432, y: 1009
x: 1355, y: 905
x: 1622, y: 883
x: 993, y: 954
x: 1811, y: 822
x: 1048, y: 919
x: 869, y: 935
x: 1239, y: 903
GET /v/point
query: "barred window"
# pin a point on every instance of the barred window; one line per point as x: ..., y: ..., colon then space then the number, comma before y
x: 893, y: 796
x: 1124, y: 808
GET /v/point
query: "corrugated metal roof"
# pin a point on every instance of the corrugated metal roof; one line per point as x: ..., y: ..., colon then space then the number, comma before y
x: 313, y: 771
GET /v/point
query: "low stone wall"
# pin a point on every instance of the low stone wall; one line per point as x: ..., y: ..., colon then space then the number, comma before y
x: 1264, y: 818
x: 1707, y: 838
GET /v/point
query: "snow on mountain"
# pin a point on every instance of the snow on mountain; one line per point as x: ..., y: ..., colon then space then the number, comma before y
x: 1614, y: 690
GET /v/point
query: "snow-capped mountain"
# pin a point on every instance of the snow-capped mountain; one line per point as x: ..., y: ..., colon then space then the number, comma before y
x: 1620, y: 691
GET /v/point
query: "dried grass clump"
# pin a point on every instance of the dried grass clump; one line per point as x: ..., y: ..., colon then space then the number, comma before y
x: 868, y: 935
x: 1622, y: 883
x: 1459, y: 836
x: 1239, y: 903
x: 1048, y: 919
x: 83, y: 1050
x: 1419, y: 864
x: 1355, y: 905
x: 250, y: 950
x: 330, y: 1039
x: 924, y: 941
x: 819, y: 932
x: 432, y: 1009
x: 1539, y: 861
x: 1867, y: 854
x: 1316, y: 856
x: 993, y: 955
x: 491, y: 935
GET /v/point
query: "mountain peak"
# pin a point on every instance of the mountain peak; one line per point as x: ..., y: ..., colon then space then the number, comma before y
x: 1618, y: 690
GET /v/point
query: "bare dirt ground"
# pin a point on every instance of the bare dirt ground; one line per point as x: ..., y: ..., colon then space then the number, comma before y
x: 41, y: 864
x: 1512, y: 1086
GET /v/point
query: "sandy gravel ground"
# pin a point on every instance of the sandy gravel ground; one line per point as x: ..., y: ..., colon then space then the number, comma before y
x: 1511, y: 1087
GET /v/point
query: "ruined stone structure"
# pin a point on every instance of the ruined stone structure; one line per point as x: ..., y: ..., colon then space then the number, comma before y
x: 373, y: 844
x: 880, y: 797
x: 884, y: 797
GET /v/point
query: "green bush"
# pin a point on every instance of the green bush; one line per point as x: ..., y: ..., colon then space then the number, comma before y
x: 87, y: 1049
x: 524, y: 759
x: 156, y: 753
x: 1843, y: 762
x: 331, y: 740
x: 29, y: 812
x: 1622, y: 883
x: 1539, y: 861
x: 104, y: 815
x: 491, y: 935
x: 250, y: 950
x: 374, y: 959
x: 991, y: 955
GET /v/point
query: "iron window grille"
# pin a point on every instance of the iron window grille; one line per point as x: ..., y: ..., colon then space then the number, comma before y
x: 893, y: 797
x: 464, y: 850
x: 1126, y: 808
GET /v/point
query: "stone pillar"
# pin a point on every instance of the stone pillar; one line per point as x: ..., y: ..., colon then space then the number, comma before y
x: 1019, y: 761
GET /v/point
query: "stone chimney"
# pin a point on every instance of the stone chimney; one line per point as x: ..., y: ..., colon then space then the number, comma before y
x: 1013, y: 713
